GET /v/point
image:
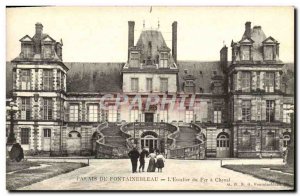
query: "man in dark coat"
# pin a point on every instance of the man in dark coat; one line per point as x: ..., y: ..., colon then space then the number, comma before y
x: 134, y: 155
x: 143, y: 154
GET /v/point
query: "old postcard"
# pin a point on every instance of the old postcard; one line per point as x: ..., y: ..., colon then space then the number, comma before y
x: 150, y: 98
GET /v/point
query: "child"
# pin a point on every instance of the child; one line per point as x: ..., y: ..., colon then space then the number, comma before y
x: 160, y: 159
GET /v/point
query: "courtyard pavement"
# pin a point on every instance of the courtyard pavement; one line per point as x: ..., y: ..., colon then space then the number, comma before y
x: 105, y: 174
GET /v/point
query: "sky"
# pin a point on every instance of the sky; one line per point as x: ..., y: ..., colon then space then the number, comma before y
x: 100, y: 34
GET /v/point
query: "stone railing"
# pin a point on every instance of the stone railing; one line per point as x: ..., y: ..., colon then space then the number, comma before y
x: 191, y: 152
x: 106, y: 151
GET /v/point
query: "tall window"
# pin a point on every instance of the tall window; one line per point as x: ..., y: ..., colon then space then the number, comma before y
x: 74, y: 110
x: 286, y: 139
x: 270, y: 141
x: 48, y: 80
x: 134, y: 115
x: 25, y: 108
x: 27, y: 51
x: 47, y: 51
x: 164, y: 60
x: 149, y: 84
x: 135, y: 84
x: 134, y: 59
x: 270, y: 110
x: 25, y: 79
x: 287, y: 110
x: 246, y: 111
x: 245, y: 53
x: 47, y: 132
x: 58, y: 80
x: 48, y: 109
x: 163, y: 84
x: 268, y: 52
x: 217, y: 116
x: 189, y: 116
x: 246, y: 139
x: 163, y: 115
x: 93, y: 113
x: 246, y: 81
x: 25, y: 135
x: 112, y: 114
x: 269, y: 82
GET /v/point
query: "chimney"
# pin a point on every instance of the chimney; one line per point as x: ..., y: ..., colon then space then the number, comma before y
x: 224, y: 57
x: 174, y: 41
x: 38, y: 29
x: 248, y: 29
x: 130, y: 35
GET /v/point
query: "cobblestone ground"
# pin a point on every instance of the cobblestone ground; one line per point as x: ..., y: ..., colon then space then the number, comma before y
x: 177, y: 175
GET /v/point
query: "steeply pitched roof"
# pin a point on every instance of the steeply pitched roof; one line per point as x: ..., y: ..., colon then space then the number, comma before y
x: 106, y: 77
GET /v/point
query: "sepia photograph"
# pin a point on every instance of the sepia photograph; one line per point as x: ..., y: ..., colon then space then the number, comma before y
x: 150, y: 98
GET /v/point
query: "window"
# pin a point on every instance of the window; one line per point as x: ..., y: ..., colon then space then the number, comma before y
x: 163, y: 115
x: 47, y: 132
x: 189, y: 83
x: 58, y: 80
x: 189, y: 116
x: 48, y: 108
x: 27, y: 51
x: 112, y: 113
x: 269, y: 82
x: 24, y: 135
x: 246, y: 139
x: 47, y: 80
x: 74, y: 110
x: 223, y: 140
x: 62, y: 81
x: 93, y: 113
x: 286, y: 139
x: 163, y: 84
x: 164, y: 60
x: 135, y: 84
x: 287, y: 110
x: 268, y: 52
x: 134, y: 59
x: 149, y: 84
x: 270, y: 110
x: 25, y: 79
x: 245, y: 53
x: 47, y: 51
x: 270, y: 141
x: 246, y: 111
x: 246, y: 81
x: 25, y: 108
x: 134, y: 115
x: 217, y: 116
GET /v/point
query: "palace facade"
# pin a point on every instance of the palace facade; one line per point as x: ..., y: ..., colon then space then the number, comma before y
x: 241, y: 107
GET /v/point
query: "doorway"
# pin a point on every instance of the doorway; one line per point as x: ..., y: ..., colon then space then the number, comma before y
x: 149, y: 117
x: 223, y: 145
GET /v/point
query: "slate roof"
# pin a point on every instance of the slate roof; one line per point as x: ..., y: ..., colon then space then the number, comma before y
x: 106, y: 77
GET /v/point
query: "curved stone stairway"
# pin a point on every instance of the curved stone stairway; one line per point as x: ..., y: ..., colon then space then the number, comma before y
x: 113, y: 136
x: 186, y: 137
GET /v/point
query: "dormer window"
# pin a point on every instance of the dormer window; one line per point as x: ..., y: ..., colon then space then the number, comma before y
x: 163, y: 62
x: 134, y: 59
x: 27, y: 50
x: 189, y: 83
x: 245, y: 53
x: 47, y: 51
x: 185, y: 71
x: 269, y: 52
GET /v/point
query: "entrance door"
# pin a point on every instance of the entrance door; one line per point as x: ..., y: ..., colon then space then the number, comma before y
x: 149, y: 117
x: 223, y: 145
x: 47, y: 140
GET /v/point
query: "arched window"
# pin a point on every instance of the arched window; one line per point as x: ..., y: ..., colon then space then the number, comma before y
x: 286, y: 139
x: 246, y: 139
x: 223, y: 140
x: 74, y: 134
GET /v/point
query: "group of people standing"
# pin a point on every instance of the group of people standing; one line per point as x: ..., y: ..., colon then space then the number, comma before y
x: 156, y: 160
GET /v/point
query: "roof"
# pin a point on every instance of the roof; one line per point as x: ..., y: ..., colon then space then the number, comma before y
x: 106, y: 77
x: 202, y: 72
x: 151, y: 42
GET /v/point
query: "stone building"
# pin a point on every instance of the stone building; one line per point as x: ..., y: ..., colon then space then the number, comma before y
x: 237, y: 109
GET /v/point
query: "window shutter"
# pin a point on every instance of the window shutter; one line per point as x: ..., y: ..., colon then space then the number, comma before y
x: 263, y: 110
x: 277, y: 110
x: 254, y: 81
x: 239, y: 109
